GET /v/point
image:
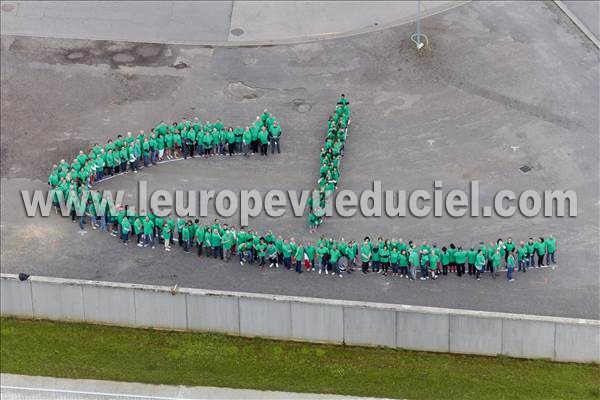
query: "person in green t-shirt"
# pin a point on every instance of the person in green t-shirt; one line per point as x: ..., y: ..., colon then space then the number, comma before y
x: 394, y: 256
x: 166, y: 235
x: 207, y: 144
x: 125, y: 229
x: 530, y: 253
x: 160, y: 146
x: 299, y: 256
x: 186, y: 235
x: 480, y: 262
x: 243, y: 252
x: 230, y: 140
x: 452, y: 257
x: 471, y: 258
x: 445, y: 260
x: 310, y: 250
x: 322, y: 250
x: 227, y: 243
x: 138, y: 230
x: 403, y: 262
x: 177, y: 145
x: 272, y: 255
x: 169, y: 145
x: 365, y: 254
x: 263, y: 137
x: 424, y: 264
x: 433, y: 264
x: 334, y: 258
x: 286, y: 250
x: 540, y: 250
x: 180, y: 224
x: 146, y: 152
x: 490, y: 251
x: 508, y: 246
x: 413, y: 259
x: 551, y: 249
x: 148, y: 232
x: 496, y: 257
x: 274, y: 136
x: 460, y: 257
x: 384, y: 259
x: 246, y: 141
x: 510, y: 265
x: 375, y: 256
x: 261, y: 251
x: 215, y: 244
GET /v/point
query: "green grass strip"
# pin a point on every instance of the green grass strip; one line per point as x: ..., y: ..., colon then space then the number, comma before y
x: 74, y: 350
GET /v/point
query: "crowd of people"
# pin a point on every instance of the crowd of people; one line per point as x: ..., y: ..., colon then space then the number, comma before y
x: 331, y: 156
x: 182, y: 139
x: 388, y: 257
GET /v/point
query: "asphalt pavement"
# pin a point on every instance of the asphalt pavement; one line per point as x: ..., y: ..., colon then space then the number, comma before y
x: 496, y: 76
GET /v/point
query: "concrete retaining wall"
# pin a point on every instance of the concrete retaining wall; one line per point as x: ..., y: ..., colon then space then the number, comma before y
x: 305, y: 319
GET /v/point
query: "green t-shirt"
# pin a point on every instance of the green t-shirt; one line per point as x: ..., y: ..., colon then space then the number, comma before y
x: 471, y: 256
x: 433, y: 260
x: 148, y: 227
x: 263, y: 136
x: 551, y: 245
x: 461, y: 256
x: 276, y: 131
x: 540, y: 247
x: 215, y: 239
x: 403, y: 260
x: 185, y: 233
x: 394, y: 256
x: 286, y: 249
x: 310, y: 252
x: 125, y: 226
x: 365, y: 252
x: 227, y: 240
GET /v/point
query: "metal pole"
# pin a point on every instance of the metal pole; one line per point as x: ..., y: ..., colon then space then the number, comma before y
x: 418, y: 22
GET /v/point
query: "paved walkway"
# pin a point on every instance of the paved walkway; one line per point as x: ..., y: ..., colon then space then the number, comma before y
x: 210, y: 22
x: 22, y: 387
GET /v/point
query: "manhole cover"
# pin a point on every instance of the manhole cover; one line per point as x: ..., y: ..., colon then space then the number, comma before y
x: 525, y: 168
x: 8, y: 7
x: 123, y: 58
x: 301, y: 106
x: 237, y: 32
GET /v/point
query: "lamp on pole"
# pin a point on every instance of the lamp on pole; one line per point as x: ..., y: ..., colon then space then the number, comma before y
x: 416, y: 37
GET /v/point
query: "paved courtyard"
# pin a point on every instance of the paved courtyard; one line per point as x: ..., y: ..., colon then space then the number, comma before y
x: 497, y: 75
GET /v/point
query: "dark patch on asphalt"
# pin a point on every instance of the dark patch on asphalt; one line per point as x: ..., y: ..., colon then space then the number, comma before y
x: 237, y: 32
x: 180, y: 65
x: 87, y: 52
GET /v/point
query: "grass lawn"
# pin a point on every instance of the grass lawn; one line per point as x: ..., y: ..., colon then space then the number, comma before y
x: 73, y: 350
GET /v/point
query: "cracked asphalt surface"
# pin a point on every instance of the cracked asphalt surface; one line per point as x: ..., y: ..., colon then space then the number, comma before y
x: 496, y: 76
